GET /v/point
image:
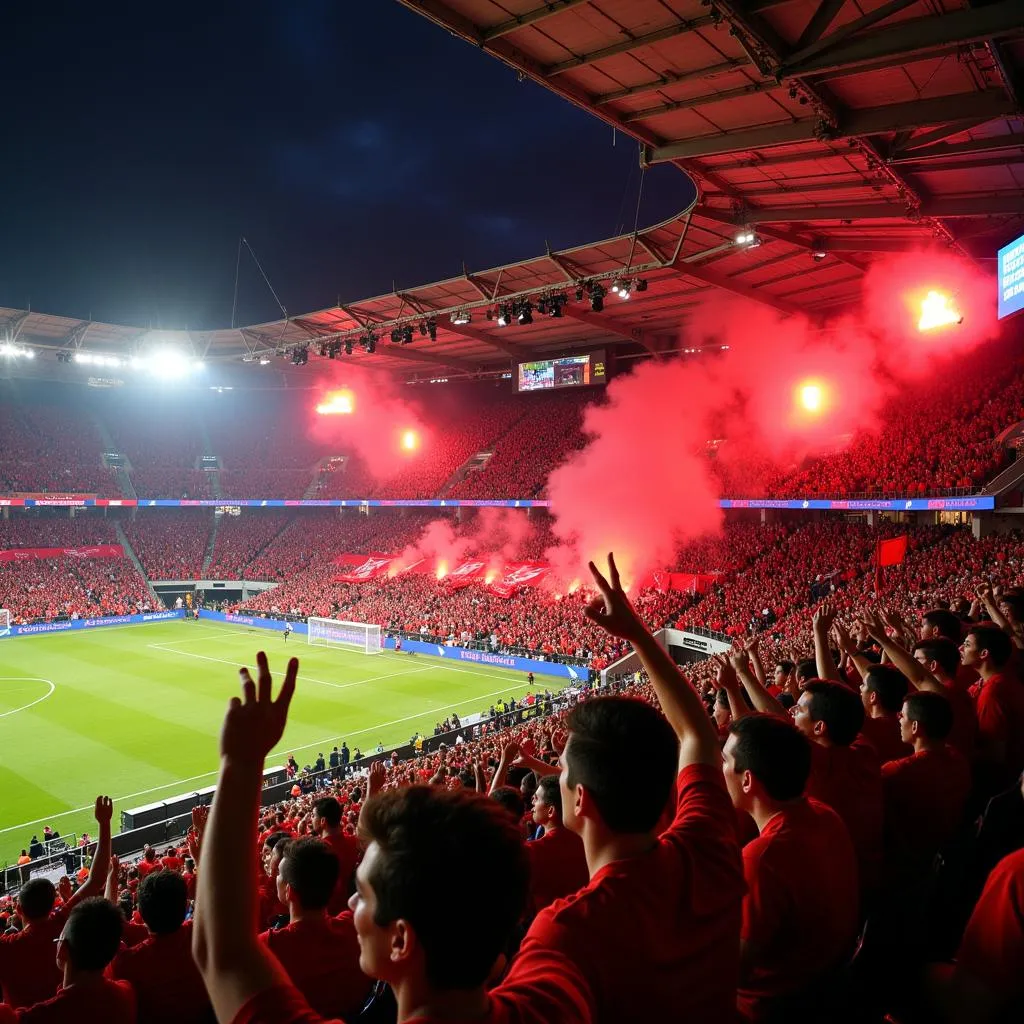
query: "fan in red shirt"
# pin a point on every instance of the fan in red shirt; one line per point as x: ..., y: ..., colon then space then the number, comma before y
x: 881, y: 692
x: 656, y: 932
x: 320, y: 953
x: 149, y: 862
x: 161, y: 970
x: 999, y: 703
x: 327, y: 824
x: 270, y: 906
x: 801, y: 911
x: 87, y: 944
x: 925, y: 793
x: 419, y: 839
x: 985, y: 985
x: 28, y: 973
x: 558, y: 863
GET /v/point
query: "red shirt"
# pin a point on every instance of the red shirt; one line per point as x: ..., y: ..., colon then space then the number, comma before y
x: 147, y: 867
x: 550, y: 991
x: 109, y: 1001
x: 166, y: 981
x: 321, y: 957
x: 884, y: 735
x: 849, y: 780
x: 270, y: 906
x: 999, y: 704
x: 28, y: 968
x: 992, y: 948
x: 558, y: 867
x: 654, y: 936
x: 134, y: 933
x: 925, y: 797
x: 802, y: 907
x: 965, y: 721
x: 348, y: 853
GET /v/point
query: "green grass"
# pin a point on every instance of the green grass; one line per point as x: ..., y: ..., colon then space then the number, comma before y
x: 135, y: 712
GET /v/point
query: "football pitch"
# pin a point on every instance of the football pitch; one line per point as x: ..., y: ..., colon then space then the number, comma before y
x: 135, y: 712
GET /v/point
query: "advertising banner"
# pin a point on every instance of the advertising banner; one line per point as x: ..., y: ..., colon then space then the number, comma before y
x: 96, y: 551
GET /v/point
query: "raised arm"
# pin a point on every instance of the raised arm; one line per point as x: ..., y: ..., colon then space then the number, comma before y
x: 728, y: 680
x: 822, y: 625
x: 680, y: 702
x: 100, y: 866
x: 915, y: 672
x: 760, y: 698
x: 846, y: 645
x: 509, y: 753
x: 752, y: 649
x: 234, y: 964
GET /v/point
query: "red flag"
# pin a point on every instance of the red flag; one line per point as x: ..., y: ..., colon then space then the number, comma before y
x: 465, y: 574
x: 891, y: 552
x: 370, y: 569
x: 516, y: 575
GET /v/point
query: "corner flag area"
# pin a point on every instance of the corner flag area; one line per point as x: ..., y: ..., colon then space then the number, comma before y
x: 135, y: 712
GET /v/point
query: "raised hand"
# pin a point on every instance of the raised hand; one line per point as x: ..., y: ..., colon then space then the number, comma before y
x: 842, y: 637
x: 376, y: 778
x: 254, y: 723
x: 873, y: 623
x: 612, y: 610
x: 739, y: 659
x: 64, y: 889
x: 559, y: 738
x: 104, y: 810
x: 824, y: 616
x: 115, y: 866
x: 200, y: 816
x: 725, y: 676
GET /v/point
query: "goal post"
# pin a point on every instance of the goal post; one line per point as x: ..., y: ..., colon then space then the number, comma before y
x: 360, y: 636
x: 5, y: 622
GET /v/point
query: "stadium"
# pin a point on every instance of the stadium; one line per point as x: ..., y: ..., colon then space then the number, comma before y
x: 658, y: 601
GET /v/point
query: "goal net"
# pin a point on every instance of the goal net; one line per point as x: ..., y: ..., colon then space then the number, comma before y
x: 355, y: 635
x: 5, y: 622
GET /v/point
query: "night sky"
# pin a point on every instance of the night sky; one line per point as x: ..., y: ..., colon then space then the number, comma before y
x: 353, y: 144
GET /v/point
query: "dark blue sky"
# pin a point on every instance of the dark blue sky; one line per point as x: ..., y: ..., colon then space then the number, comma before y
x: 353, y: 144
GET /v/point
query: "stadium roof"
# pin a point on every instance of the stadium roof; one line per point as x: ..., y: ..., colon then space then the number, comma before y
x: 855, y: 125
x: 828, y: 130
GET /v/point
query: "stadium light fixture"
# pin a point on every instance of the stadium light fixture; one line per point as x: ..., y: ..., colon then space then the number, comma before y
x: 264, y: 361
x: 504, y: 316
x: 461, y: 317
x: 597, y: 294
x: 525, y: 314
x: 9, y: 351
x: 748, y: 239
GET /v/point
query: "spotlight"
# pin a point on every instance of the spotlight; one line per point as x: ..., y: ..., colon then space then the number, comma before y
x: 640, y: 284
x: 432, y: 329
x: 63, y: 357
x: 423, y: 329
x: 461, y: 317
x: 405, y: 335
x: 348, y: 346
x: 300, y: 356
x: 370, y: 343
x: 504, y: 316
x: 597, y: 294
x: 748, y: 239
x: 615, y: 287
x: 264, y: 361
x: 396, y: 336
x: 818, y: 255
x: 525, y: 314
x: 333, y: 349
x: 323, y: 348
x: 579, y: 293
x: 542, y: 306
x: 555, y: 304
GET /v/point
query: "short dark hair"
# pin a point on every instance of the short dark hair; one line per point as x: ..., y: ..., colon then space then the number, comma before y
x: 274, y: 838
x: 889, y: 683
x: 551, y: 793
x: 163, y: 901
x: 786, y: 665
x: 1014, y: 600
x: 945, y: 621
x: 838, y: 707
x: 806, y: 670
x: 37, y: 897
x: 329, y: 809
x: 943, y: 652
x: 775, y: 751
x: 601, y: 733
x: 432, y: 841
x: 93, y: 934
x: 932, y: 712
x: 995, y: 641
x: 311, y: 868
x: 511, y: 799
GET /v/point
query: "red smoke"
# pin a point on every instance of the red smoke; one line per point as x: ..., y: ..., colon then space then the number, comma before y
x: 376, y: 428
x: 643, y: 483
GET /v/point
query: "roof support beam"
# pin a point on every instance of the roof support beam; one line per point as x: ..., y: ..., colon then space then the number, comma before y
x: 913, y: 37
x: 869, y: 121
x: 820, y: 21
x: 722, y: 281
x: 602, y: 323
x: 995, y: 144
x: 849, y: 29
x: 14, y: 325
x: 474, y: 333
x: 670, y: 78
x: 419, y: 355
x: 538, y: 14
x: 699, y: 101
x: 991, y: 205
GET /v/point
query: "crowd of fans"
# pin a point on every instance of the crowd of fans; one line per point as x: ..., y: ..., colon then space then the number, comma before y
x: 240, y: 539
x: 170, y: 543
x: 833, y: 835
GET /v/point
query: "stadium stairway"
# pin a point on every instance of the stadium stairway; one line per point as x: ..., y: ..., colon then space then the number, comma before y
x: 213, y: 475
x: 122, y: 539
x: 210, y: 543
x: 313, y: 490
x: 121, y: 474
